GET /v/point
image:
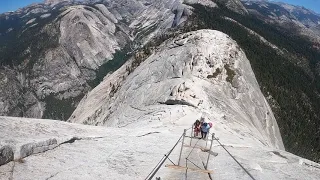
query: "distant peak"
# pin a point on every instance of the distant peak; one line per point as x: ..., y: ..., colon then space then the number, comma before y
x: 54, y: 2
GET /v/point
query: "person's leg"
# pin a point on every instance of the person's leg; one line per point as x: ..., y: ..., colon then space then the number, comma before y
x: 201, y: 134
x: 205, y: 135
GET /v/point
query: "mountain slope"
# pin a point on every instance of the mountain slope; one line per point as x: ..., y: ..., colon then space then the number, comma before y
x: 289, y: 81
x: 234, y: 5
x: 204, y: 70
x: 293, y: 18
x: 66, y: 48
x: 59, y: 150
x: 175, y: 85
x: 52, y: 52
x: 286, y: 65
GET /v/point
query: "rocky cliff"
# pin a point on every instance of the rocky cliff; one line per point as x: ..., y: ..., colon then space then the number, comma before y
x: 296, y: 18
x: 200, y: 73
x: 51, y: 53
x: 234, y: 5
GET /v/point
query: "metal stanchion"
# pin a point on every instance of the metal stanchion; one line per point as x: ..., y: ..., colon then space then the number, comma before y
x: 184, y: 134
x: 191, y: 135
x: 207, y: 137
x: 209, y: 151
x: 186, y: 169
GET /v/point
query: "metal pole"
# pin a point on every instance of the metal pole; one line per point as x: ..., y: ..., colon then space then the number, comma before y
x: 155, y: 170
x: 209, y: 151
x: 186, y: 168
x: 184, y: 134
x: 191, y: 135
x: 207, y: 137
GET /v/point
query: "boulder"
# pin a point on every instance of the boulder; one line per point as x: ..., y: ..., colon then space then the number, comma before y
x: 6, y: 155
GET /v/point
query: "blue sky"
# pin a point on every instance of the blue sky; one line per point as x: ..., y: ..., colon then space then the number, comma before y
x: 12, y: 5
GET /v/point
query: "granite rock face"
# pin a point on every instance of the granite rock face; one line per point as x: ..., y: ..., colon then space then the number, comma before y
x: 49, y: 149
x: 54, y: 2
x: 62, y: 44
x: 205, y: 70
x: 6, y: 155
x: 234, y: 5
x: 207, y: 3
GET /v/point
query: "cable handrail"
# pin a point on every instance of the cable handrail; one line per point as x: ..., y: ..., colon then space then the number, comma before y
x: 193, y: 148
x: 166, y: 156
x: 160, y: 163
x: 234, y: 159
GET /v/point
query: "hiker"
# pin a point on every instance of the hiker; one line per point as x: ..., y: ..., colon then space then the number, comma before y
x: 201, y: 120
x: 204, y: 130
x: 197, y: 127
x: 210, y: 124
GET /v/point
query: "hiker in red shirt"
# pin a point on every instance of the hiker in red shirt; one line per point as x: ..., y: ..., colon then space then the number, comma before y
x: 197, y: 126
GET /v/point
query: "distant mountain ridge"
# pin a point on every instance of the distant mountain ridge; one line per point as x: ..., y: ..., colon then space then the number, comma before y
x: 301, y: 18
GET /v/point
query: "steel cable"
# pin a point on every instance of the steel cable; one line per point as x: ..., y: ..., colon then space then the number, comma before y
x: 157, y: 167
x: 234, y: 159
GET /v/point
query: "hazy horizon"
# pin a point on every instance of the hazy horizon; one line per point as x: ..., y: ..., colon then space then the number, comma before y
x: 13, y: 5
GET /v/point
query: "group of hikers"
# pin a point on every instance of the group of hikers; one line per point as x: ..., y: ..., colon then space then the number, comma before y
x: 203, y: 127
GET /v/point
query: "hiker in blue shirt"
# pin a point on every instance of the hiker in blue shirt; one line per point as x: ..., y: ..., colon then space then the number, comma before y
x: 204, y: 130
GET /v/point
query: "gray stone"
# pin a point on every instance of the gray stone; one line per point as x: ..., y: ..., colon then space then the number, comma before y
x: 234, y: 5
x: 88, y: 33
x: 34, y: 148
x: 177, y: 77
x: 6, y: 155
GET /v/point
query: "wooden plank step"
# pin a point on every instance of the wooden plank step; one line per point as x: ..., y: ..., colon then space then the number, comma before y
x: 192, y: 137
x: 190, y: 169
x: 202, y: 149
x: 197, y: 147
